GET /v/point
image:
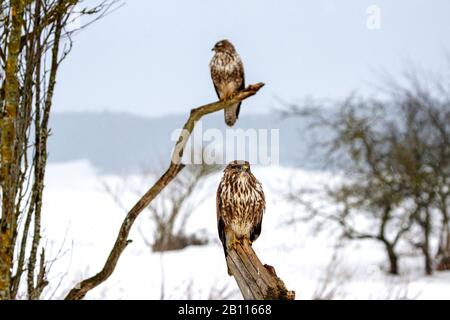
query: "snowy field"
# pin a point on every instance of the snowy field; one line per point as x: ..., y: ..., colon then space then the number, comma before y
x: 80, y: 224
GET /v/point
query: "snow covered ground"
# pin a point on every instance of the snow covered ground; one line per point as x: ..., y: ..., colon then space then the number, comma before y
x: 81, y: 222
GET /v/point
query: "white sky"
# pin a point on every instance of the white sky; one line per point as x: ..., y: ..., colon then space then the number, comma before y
x: 151, y: 57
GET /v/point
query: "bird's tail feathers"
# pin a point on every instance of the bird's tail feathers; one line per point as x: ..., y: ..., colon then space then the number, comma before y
x: 231, y: 114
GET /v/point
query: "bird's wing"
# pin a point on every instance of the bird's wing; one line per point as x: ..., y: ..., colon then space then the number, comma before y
x: 217, y: 90
x: 241, y: 75
x: 219, y: 201
x: 214, y: 76
x: 258, y: 212
x: 220, y: 221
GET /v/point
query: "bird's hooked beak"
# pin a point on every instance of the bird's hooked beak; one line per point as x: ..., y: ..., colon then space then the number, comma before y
x: 245, y: 168
x: 213, y: 49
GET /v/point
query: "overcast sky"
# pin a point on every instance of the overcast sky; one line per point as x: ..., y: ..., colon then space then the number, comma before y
x: 151, y: 57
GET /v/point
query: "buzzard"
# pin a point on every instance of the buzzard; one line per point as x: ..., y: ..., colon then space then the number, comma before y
x: 240, y: 205
x: 227, y: 73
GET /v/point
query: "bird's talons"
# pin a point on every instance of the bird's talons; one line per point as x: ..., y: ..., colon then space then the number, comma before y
x: 234, y: 243
x: 229, y: 97
x: 232, y: 96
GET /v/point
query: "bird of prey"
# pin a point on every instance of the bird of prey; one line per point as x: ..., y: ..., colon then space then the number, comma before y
x: 240, y: 205
x: 227, y: 73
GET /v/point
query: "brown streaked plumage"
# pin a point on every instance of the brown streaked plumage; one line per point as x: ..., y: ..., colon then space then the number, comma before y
x: 227, y: 73
x: 240, y: 205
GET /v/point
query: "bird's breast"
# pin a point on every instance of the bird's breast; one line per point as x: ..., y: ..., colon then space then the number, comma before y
x: 241, y: 198
x: 224, y: 63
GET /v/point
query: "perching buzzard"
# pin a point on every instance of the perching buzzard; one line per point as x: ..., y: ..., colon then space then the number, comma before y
x: 227, y: 73
x: 240, y: 205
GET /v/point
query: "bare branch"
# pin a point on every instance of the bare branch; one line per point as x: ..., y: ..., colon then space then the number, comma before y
x: 175, y: 167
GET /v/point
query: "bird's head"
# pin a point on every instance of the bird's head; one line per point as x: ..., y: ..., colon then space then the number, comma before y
x: 223, y: 46
x: 238, y: 167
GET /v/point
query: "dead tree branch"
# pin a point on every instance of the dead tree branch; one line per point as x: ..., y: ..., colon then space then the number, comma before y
x: 255, y: 280
x: 82, y: 288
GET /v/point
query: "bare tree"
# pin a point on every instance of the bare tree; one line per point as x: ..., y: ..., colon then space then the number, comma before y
x: 440, y: 121
x: 368, y: 190
x: 172, y: 209
x: 35, y: 37
x: 170, y: 212
x: 333, y: 279
x: 395, y: 155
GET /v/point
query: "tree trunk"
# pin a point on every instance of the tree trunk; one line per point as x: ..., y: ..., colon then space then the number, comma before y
x: 426, y: 244
x: 8, y: 140
x: 428, y: 261
x: 393, y: 259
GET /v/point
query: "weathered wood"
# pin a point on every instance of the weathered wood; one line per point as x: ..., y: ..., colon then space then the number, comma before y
x: 175, y: 167
x: 255, y: 280
x: 247, y: 284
